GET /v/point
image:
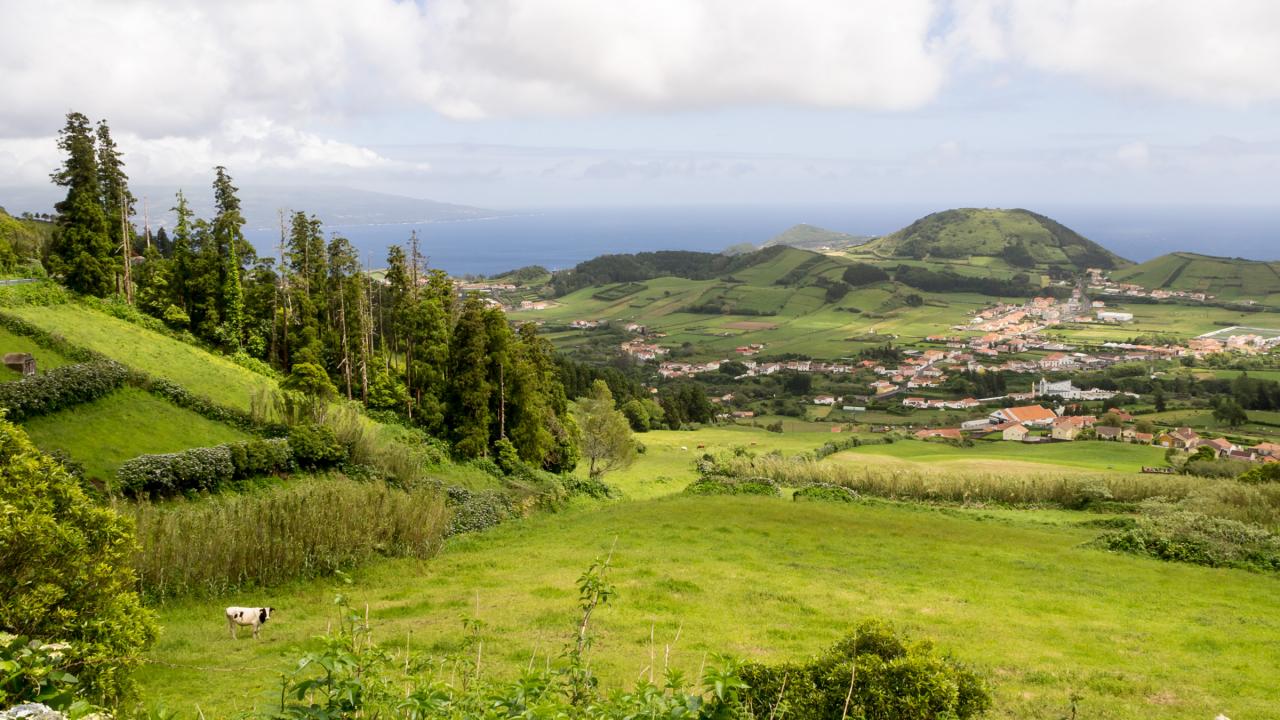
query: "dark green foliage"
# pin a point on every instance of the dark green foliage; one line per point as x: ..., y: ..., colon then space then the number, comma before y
x: 947, y: 281
x: 60, y: 388
x: 609, y: 269
x: 859, y: 274
x: 64, y: 571
x: 205, y: 469
x: 1017, y: 254
x: 1266, y: 473
x: 1199, y: 539
x: 32, y: 671
x: 82, y: 247
x: 871, y: 673
x: 685, y: 403
x: 315, y: 446
x: 469, y: 388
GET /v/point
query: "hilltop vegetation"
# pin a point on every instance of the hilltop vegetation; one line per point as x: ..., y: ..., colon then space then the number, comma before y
x: 1017, y: 238
x: 1223, y: 277
x: 22, y: 241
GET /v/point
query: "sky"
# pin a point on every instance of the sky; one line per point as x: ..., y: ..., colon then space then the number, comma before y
x: 546, y: 103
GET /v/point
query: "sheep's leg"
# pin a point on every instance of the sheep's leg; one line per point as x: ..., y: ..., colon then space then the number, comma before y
x: 231, y: 625
x: 255, y: 630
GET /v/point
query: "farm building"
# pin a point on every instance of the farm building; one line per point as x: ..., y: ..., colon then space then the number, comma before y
x: 1031, y: 415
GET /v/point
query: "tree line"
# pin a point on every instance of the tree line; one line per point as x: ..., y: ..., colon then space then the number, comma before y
x: 402, y: 342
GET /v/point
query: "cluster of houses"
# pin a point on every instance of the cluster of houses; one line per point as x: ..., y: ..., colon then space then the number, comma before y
x: 1101, y: 284
x: 1246, y: 343
x: 1036, y: 423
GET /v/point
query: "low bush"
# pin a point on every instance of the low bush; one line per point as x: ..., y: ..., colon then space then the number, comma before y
x: 204, y: 469
x: 871, y: 673
x: 315, y: 446
x: 60, y: 388
x: 1268, y: 473
x: 306, y: 528
x: 1190, y: 537
x: 476, y: 511
x: 724, y: 485
x: 826, y: 493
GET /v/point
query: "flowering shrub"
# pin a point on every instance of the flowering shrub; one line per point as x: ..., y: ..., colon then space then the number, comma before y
x: 60, y: 388
x: 202, y: 469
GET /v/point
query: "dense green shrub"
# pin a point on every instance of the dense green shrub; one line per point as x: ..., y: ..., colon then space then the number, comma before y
x: 315, y: 446
x: 723, y: 485
x: 1267, y: 473
x: 475, y: 511
x: 1199, y: 539
x: 896, y: 679
x: 826, y: 493
x: 60, y: 388
x: 41, y: 293
x: 64, y: 570
x: 202, y: 469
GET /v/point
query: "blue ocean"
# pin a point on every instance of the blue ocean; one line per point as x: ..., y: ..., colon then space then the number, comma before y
x: 563, y: 237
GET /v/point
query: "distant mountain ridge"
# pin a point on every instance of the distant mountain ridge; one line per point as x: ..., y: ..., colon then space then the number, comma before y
x: 1020, y: 238
x: 260, y: 204
x: 804, y: 237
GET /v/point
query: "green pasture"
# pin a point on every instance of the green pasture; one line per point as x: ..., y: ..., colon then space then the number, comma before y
x: 1167, y: 318
x: 1226, y: 278
x: 802, y: 321
x: 102, y: 434
x: 203, y: 373
x: 1015, y: 594
x: 1082, y: 454
x: 667, y: 464
x: 45, y: 359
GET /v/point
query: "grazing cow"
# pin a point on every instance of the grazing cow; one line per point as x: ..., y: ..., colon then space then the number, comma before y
x: 242, y: 616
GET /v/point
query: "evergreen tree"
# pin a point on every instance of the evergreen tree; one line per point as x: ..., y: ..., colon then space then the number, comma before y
x: 114, y: 186
x: 81, y: 248
x: 468, y: 384
x: 228, y: 238
x: 183, y: 256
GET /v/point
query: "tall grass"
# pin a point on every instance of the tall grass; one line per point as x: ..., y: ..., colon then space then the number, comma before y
x: 308, y: 528
x: 1258, y: 504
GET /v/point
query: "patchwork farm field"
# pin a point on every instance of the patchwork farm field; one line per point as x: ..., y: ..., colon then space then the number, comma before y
x: 129, y: 422
x: 1182, y: 320
x: 1014, y: 593
x: 200, y: 372
x: 794, y: 320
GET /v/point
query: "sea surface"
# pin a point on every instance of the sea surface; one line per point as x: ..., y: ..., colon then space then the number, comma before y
x: 562, y: 237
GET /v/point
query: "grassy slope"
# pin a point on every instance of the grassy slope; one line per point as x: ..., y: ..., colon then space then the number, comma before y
x: 804, y: 323
x: 129, y: 422
x: 1181, y: 320
x: 200, y: 372
x: 45, y: 359
x: 771, y: 579
x: 1227, y: 278
x: 985, y: 233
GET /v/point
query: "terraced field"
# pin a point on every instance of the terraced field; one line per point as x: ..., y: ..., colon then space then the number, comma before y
x: 125, y: 424
x: 200, y: 372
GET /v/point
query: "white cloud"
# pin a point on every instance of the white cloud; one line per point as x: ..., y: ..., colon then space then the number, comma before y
x: 1135, y: 155
x: 258, y: 146
x: 1224, y: 52
x: 186, y: 66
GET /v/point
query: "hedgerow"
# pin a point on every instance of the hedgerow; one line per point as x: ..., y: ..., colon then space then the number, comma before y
x: 60, y: 388
x: 202, y: 469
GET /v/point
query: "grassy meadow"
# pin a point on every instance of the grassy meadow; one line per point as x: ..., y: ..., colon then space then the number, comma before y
x: 125, y: 424
x: 203, y: 373
x: 988, y: 456
x: 1014, y: 593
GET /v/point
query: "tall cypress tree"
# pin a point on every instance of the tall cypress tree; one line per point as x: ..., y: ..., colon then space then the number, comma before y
x: 113, y: 184
x: 183, y: 254
x: 468, y: 383
x: 228, y: 238
x: 81, y: 248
